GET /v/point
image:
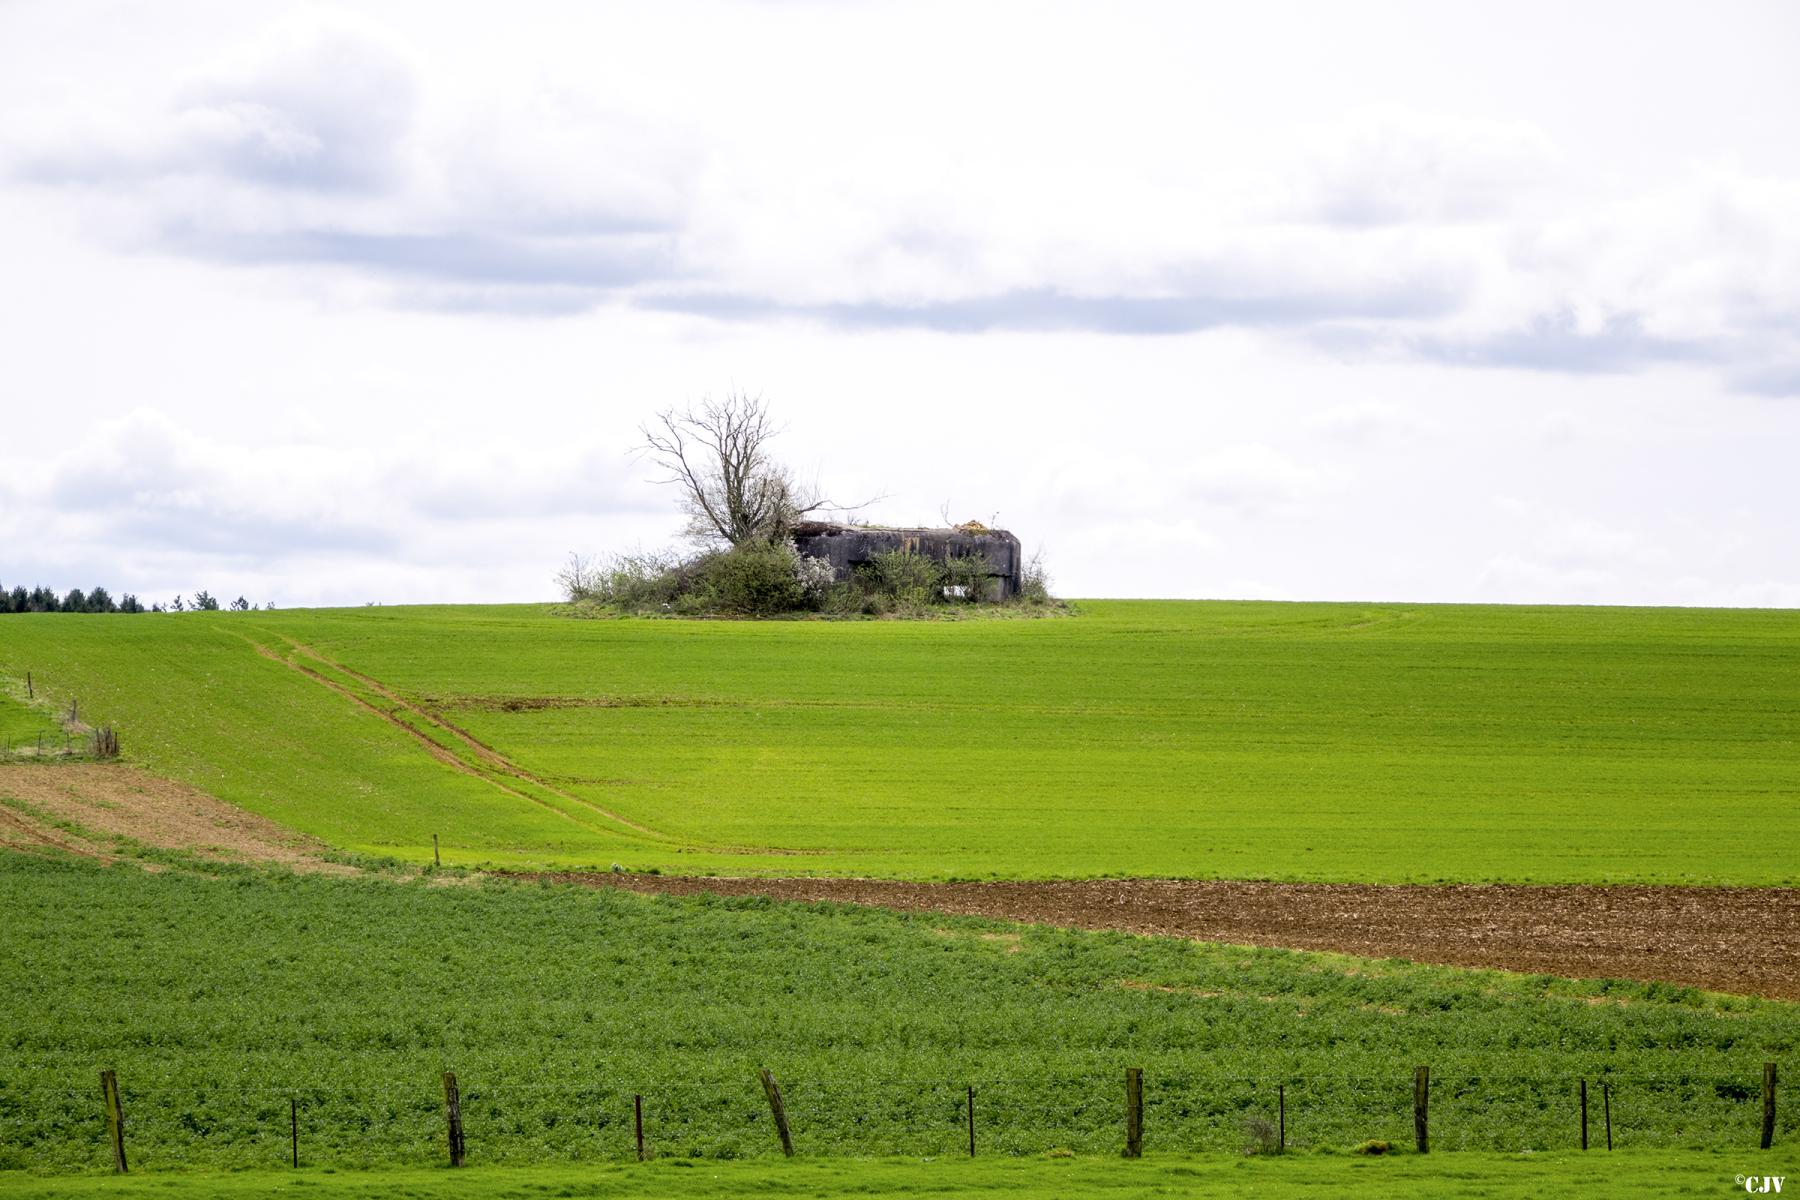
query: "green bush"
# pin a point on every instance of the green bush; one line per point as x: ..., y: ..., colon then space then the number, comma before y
x: 754, y: 579
x: 1034, y: 580
x: 899, y: 572
x: 967, y: 578
x: 845, y: 600
x: 640, y: 582
x: 765, y: 578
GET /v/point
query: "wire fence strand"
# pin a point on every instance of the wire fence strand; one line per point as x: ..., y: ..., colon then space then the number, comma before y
x: 403, y: 1121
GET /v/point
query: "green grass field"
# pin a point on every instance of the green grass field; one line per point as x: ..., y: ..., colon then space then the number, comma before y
x: 218, y: 1000
x: 1474, y: 1176
x: 23, y: 724
x: 1242, y: 740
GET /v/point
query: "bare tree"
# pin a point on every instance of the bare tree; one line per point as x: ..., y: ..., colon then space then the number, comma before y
x: 731, y: 489
x: 579, y: 578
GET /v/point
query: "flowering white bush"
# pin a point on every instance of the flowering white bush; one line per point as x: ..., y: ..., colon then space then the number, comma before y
x: 813, y: 574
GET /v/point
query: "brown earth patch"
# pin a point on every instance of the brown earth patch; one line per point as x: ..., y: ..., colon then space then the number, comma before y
x: 104, y: 801
x: 1726, y: 939
x: 517, y: 704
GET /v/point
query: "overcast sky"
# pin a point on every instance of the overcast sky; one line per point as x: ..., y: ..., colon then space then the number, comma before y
x: 1289, y: 301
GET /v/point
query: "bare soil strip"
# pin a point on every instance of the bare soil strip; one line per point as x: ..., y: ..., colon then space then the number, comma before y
x: 1741, y: 940
x: 108, y: 800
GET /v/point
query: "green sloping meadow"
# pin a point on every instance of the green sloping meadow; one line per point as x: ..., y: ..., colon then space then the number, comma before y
x: 1386, y: 743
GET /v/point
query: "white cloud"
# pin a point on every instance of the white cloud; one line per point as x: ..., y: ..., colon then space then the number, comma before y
x: 1584, y: 543
x: 1388, y: 165
x: 314, y: 106
x: 394, y: 284
x: 159, y: 505
x: 1359, y: 421
x: 323, y: 107
x: 1250, y: 477
x: 329, y: 146
x: 154, y: 483
x: 1514, y: 579
x: 308, y: 150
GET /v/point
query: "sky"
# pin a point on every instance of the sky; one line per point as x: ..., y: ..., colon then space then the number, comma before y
x: 1409, y: 302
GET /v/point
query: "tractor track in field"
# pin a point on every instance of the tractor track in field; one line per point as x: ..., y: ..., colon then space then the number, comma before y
x: 490, y: 758
x: 13, y: 827
x: 1725, y: 939
x: 487, y: 755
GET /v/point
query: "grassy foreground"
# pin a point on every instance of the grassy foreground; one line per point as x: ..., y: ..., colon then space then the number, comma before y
x: 1238, y: 740
x: 221, y: 1000
x: 1440, y: 1177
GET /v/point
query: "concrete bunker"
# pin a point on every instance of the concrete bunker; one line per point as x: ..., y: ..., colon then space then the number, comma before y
x: 847, y: 547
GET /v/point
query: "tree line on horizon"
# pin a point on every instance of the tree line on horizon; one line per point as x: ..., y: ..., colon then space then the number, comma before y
x: 42, y: 599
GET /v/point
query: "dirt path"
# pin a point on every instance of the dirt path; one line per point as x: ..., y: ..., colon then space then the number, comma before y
x: 84, y: 807
x: 1744, y: 940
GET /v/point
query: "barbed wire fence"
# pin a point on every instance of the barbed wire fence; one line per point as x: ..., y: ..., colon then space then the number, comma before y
x: 62, y: 745
x: 232, y: 1125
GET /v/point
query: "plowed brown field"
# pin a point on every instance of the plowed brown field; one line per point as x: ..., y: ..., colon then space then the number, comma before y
x: 1744, y: 940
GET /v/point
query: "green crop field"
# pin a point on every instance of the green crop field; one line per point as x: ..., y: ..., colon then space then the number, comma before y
x: 1238, y: 740
x: 1476, y: 1177
x: 1384, y: 743
x: 218, y: 1000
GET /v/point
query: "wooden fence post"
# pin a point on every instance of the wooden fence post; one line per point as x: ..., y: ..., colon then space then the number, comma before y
x: 1134, y: 1112
x: 29, y: 694
x: 638, y: 1104
x: 1421, y: 1108
x: 971, y: 1122
x: 115, y: 1118
x: 773, y: 1092
x: 1281, y: 1116
x: 453, y: 1118
x: 1768, y: 1128
x: 1584, y: 1114
x: 1606, y: 1101
x: 294, y: 1126
x: 437, y: 859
